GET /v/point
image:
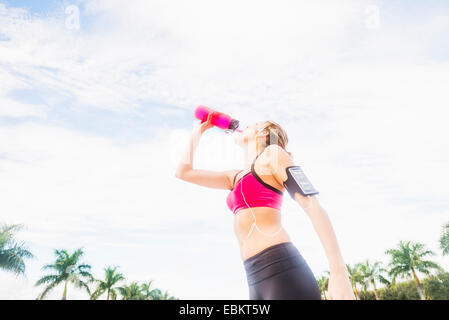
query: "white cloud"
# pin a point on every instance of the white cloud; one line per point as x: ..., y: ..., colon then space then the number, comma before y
x: 11, y: 108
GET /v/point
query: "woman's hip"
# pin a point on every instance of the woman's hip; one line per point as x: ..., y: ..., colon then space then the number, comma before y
x: 280, y: 272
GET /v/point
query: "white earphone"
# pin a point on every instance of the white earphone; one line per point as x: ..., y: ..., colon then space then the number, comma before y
x: 255, y: 220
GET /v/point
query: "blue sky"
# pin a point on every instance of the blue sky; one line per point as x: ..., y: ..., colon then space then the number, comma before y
x: 40, y: 7
x: 135, y: 125
x: 93, y: 122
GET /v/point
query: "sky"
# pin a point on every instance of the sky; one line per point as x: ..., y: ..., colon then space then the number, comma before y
x: 96, y: 108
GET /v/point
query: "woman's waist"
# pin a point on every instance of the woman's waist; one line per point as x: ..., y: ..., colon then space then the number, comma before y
x: 276, y: 251
x: 264, y: 216
x: 257, y: 242
x: 266, y: 232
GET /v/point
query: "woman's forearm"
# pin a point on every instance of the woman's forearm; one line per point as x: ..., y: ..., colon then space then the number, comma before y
x: 325, y: 231
x: 186, y: 163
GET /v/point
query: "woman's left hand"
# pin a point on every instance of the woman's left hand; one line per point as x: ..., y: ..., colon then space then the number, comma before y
x: 340, y: 287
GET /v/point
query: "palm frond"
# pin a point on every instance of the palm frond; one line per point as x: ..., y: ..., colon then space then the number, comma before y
x: 12, y: 253
x: 47, y: 290
x: 49, y: 279
x: 444, y: 240
x: 67, y: 267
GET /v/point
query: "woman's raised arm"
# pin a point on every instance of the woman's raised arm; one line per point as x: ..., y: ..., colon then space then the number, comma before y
x: 210, y: 179
x: 339, y: 284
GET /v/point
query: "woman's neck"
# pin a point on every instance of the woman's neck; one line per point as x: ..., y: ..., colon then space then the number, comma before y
x: 251, y: 152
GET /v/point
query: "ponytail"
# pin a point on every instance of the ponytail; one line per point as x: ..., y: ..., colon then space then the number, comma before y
x: 276, y: 133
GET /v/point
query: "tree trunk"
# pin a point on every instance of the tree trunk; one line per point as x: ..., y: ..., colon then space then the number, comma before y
x: 356, y: 292
x: 418, y: 285
x: 375, y: 291
x: 64, y: 295
x: 107, y: 298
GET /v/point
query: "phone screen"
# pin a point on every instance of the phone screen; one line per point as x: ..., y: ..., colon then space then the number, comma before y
x: 301, y: 179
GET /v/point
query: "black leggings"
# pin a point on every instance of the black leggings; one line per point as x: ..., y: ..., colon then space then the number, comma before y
x: 279, y: 272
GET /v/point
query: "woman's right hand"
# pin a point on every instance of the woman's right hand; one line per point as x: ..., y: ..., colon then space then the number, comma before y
x: 206, y: 124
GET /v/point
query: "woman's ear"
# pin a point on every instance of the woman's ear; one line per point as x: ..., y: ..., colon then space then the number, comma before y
x: 263, y: 132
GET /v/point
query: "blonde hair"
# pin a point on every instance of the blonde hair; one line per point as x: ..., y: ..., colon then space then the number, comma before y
x: 277, y: 135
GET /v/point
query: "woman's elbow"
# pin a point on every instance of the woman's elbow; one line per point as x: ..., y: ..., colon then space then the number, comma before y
x: 181, y: 174
x: 178, y: 175
x: 182, y: 171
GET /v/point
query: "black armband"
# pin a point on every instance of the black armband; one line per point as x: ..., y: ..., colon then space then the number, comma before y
x: 298, y: 182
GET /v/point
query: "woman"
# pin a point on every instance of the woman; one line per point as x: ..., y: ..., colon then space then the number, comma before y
x: 274, y: 267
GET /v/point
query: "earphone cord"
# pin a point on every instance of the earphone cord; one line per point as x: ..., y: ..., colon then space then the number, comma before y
x: 255, y: 220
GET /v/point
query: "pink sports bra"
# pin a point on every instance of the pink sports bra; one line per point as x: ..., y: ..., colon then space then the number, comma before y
x: 257, y: 193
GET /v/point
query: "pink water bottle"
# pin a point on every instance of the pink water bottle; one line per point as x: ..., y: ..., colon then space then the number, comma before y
x: 218, y: 119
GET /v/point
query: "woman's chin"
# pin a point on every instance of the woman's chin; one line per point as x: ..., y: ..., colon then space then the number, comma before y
x: 240, y: 140
x: 237, y: 140
x: 241, y: 144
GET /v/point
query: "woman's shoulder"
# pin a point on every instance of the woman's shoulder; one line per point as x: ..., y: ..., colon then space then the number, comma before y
x: 267, y: 164
x: 276, y: 157
x: 274, y: 154
x: 232, y: 175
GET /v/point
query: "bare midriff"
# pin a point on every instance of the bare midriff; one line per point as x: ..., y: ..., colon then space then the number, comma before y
x: 268, y: 221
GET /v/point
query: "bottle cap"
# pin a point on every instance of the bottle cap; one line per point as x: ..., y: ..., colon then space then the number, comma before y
x: 234, y: 124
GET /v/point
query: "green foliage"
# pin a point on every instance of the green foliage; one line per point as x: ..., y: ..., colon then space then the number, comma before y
x: 12, y: 253
x: 405, y: 290
x: 371, y: 274
x: 131, y: 292
x: 355, y: 277
x: 134, y: 291
x: 436, y: 287
x: 66, y: 269
x: 112, y: 277
x: 367, y: 295
x: 400, y: 291
x: 408, y: 257
x: 323, y: 284
x: 444, y: 240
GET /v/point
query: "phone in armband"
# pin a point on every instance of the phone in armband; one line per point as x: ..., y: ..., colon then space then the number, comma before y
x: 298, y: 182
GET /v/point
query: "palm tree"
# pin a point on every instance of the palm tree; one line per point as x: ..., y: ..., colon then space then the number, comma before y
x: 323, y: 284
x: 156, y: 294
x: 167, y: 296
x: 444, y: 240
x: 355, y: 277
x: 407, y: 259
x: 12, y: 253
x: 372, y: 273
x: 111, y: 279
x: 131, y: 292
x: 67, y: 269
x: 149, y: 293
